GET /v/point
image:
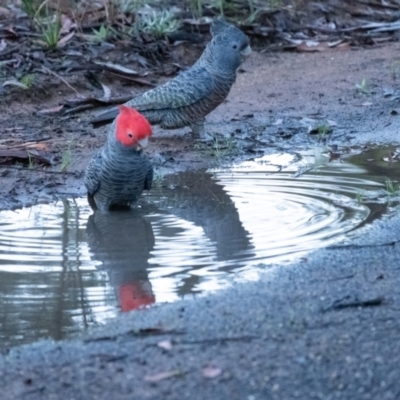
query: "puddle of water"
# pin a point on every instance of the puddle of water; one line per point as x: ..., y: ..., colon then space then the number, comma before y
x: 63, y: 268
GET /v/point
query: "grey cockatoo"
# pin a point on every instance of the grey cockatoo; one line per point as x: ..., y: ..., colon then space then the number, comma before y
x: 194, y: 93
x: 119, y: 172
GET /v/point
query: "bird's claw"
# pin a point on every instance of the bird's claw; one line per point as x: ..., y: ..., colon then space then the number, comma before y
x: 205, y: 138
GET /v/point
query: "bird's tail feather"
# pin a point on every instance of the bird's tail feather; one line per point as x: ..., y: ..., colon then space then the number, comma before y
x: 104, y: 118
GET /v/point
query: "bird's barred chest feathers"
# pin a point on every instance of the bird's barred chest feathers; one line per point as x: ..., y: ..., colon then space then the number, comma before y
x: 122, y: 174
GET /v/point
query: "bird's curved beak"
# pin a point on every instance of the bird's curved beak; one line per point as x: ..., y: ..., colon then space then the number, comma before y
x: 143, y: 142
x: 246, y: 52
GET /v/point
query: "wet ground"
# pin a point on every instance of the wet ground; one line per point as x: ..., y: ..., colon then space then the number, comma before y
x: 325, y: 327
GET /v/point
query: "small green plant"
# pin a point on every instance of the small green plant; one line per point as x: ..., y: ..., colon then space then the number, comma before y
x: 363, y: 86
x: 252, y: 17
x: 30, y: 7
x: 66, y: 158
x: 30, y: 161
x: 51, y: 30
x: 158, y: 176
x: 129, y: 6
x: 395, y: 68
x: 196, y: 6
x: 158, y: 23
x: 392, y: 189
x: 274, y: 3
x: 28, y: 80
x: 323, y: 130
x: 360, y: 196
x: 222, y: 148
x: 3, y: 70
x: 46, y: 22
x: 102, y: 34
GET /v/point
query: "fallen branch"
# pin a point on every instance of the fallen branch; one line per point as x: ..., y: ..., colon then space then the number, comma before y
x: 360, y: 246
x: 37, y: 170
x: 83, y: 104
x: 115, y: 70
x: 342, y: 303
x: 46, y: 70
x: 24, y: 154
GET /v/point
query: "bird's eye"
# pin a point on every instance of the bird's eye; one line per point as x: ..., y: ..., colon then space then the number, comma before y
x: 130, y: 135
x: 234, y: 46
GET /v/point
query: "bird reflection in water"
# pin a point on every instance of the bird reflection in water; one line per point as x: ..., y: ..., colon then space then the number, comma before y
x: 122, y: 241
x: 197, y: 197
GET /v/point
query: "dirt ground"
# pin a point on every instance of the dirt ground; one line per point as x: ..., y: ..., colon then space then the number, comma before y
x: 277, y: 99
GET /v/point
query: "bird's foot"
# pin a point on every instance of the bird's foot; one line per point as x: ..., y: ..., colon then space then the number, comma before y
x: 157, y: 159
x: 206, y: 138
x: 200, y: 134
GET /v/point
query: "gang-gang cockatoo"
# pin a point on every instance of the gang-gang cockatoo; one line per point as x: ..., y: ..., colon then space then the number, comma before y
x: 119, y: 172
x: 194, y: 93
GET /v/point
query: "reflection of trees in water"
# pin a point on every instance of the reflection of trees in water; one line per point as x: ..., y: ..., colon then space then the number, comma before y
x: 70, y: 294
x: 122, y: 241
x: 53, y: 302
x: 70, y: 308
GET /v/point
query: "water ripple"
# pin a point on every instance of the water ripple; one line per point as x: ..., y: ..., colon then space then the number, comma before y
x: 63, y: 268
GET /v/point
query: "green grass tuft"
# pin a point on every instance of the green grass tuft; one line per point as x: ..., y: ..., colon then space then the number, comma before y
x: 66, y: 158
x: 158, y: 23
x: 102, y: 34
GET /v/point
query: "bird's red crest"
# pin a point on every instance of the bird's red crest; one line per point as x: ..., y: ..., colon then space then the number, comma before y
x: 132, y: 126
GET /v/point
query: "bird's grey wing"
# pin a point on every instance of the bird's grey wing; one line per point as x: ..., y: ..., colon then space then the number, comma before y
x: 187, y: 88
x: 92, y: 175
x: 149, y: 178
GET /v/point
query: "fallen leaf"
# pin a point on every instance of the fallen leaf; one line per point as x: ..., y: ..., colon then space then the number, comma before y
x: 107, y: 92
x: 343, y: 46
x: 29, y: 145
x: 165, y: 344
x: 62, y: 42
x: 37, y: 146
x: 10, y: 29
x: 14, y: 82
x: 336, y: 43
x: 311, y: 46
x: 334, y: 156
x: 307, y: 121
x: 66, y: 24
x: 4, y: 12
x: 387, y: 92
x: 3, y: 44
x: 389, y: 159
x: 24, y: 154
x: 211, y: 371
x: 117, y: 68
x: 52, y: 110
x: 161, y: 376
